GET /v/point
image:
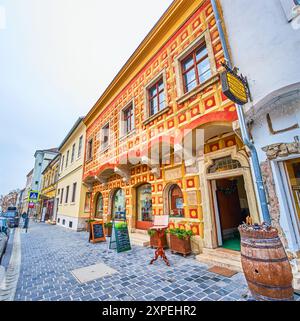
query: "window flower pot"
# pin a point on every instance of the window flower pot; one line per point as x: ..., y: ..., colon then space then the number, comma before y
x: 180, y: 245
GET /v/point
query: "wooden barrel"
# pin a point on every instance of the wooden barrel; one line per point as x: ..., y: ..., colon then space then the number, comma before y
x: 265, y: 264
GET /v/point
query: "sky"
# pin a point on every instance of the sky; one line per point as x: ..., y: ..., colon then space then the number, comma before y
x: 56, y: 59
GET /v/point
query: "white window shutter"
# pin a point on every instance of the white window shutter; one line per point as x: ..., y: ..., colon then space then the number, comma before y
x: 288, y: 6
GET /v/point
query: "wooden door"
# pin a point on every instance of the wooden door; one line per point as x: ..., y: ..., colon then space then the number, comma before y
x: 228, y: 204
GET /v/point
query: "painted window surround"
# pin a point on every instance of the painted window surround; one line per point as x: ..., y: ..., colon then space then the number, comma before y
x: 123, y: 134
x: 203, y: 38
x: 149, y: 117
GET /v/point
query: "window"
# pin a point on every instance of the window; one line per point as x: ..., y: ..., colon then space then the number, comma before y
x: 105, y: 137
x: 195, y: 68
x: 63, y: 222
x: 70, y: 224
x: 99, y: 206
x: 61, y: 196
x: 73, y: 153
x: 58, y: 220
x: 90, y: 149
x: 224, y: 164
x: 67, y: 158
x: 67, y: 194
x: 144, y: 203
x: 87, y: 203
x: 58, y: 192
x: 74, y: 192
x: 118, y: 205
x: 80, y: 146
x: 128, y: 119
x: 156, y: 96
x: 176, y: 201
x: 62, y: 163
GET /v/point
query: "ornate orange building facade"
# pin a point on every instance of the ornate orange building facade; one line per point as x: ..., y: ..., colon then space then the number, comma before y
x: 118, y: 168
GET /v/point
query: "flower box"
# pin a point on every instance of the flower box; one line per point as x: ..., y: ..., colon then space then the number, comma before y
x: 154, y: 240
x: 180, y: 241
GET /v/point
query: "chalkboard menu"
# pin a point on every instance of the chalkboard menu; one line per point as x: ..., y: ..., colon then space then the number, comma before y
x: 120, y: 237
x: 97, y: 232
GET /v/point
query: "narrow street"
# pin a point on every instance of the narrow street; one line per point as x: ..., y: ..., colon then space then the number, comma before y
x: 50, y: 253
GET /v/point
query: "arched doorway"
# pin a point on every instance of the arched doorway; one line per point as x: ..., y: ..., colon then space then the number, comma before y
x: 228, y: 196
x: 118, y: 204
x: 99, y: 206
x: 144, y: 207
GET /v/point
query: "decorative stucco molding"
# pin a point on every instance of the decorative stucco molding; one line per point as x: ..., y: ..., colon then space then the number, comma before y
x: 281, y: 150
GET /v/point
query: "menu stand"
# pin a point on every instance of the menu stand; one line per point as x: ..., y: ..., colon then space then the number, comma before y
x: 160, y: 225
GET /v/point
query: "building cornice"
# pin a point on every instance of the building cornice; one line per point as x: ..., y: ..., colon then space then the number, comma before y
x: 175, y: 16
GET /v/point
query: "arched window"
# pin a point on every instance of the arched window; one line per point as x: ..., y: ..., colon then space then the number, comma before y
x: 224, y: 164
x: 176, y: 201
x: 118, y: 205
x: 99, y: 206
x: 144, y: 203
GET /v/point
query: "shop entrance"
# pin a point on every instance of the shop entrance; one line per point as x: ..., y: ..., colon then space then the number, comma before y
x: 231, y: 209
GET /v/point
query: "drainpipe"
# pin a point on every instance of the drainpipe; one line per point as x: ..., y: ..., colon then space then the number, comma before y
x: 243, y: 126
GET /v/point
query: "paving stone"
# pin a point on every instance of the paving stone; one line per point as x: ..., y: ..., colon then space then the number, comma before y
x: 50, y: 253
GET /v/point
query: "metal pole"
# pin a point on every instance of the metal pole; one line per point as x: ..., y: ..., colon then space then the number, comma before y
x: 245, y: 133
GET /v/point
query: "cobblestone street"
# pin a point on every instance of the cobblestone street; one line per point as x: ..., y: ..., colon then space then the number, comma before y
x: 50, y: 253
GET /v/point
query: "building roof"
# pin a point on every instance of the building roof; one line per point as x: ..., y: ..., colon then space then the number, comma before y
x: 77, y: 123
x: 55, y: 159
x: 50, y: 150
x: 30, y: 173
x: 176, y: 14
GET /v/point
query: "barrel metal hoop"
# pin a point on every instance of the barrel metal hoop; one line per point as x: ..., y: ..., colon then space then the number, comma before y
x: 261, y: 297
x: 264, y: 260
x: 268, y: 247
x: 252, y: 240
x: 270, y: 286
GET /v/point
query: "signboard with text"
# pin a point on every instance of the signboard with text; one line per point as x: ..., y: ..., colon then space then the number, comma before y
x: 235, y: 87
x: 97, y: 232
x: 120, y: 237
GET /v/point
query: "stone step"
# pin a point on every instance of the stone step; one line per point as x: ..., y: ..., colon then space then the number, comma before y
x: 296, y: 282
x: 222, y: 261
x: 223, y: 253
x: 142, y: 232
x: 139, y: 239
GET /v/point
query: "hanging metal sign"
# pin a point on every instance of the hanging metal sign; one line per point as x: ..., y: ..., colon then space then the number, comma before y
x: 235, y: 87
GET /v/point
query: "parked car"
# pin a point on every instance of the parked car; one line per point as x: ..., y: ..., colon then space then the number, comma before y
x: 4, y: 228
x: 13, y: 218
x: 4, y: 235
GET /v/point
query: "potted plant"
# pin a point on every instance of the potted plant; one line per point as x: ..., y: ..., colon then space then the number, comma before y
x: 108, y: 229
x: 154, y: 239
x: 180, y: 241
x: 88, y: 224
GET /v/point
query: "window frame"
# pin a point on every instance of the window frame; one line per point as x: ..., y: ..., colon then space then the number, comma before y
x: 67, y: 194
x: 149, y: 85
x: 67, y: 158
x: 73, y: 153
x: 107, y: 143
x: 90, y: 149
x: 203, y: 38
x: 73, y: 199
x: 80, y: 144
x: 61, y: 196
x: 194, y: 67
x: 123, y: 132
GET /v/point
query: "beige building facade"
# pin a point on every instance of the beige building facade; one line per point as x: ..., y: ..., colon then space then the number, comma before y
x: 71, y: 192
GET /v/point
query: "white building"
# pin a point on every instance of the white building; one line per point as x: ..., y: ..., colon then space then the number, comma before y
x: 264, y: 41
